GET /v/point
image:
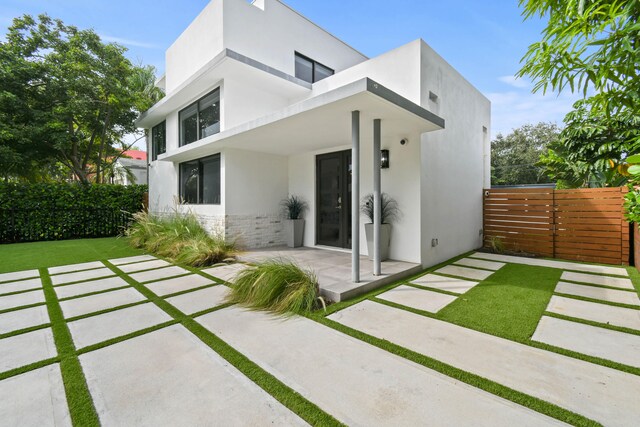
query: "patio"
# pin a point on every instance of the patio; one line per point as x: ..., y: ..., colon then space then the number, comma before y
x: 333, y: 269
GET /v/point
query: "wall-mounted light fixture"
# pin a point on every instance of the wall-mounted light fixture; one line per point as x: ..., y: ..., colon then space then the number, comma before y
x: 384, y: 159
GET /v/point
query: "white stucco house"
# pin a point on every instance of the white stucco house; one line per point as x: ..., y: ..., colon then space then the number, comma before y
x: 262, y: 103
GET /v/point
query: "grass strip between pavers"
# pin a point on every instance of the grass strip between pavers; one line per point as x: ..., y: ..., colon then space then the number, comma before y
x: 305, y: 409
x: 492, y: 387
x: 598, y: 301
x: 81, y: 408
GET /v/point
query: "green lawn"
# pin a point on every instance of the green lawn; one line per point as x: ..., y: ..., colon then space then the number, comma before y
x: 508, y: 304
x: 26, y: 256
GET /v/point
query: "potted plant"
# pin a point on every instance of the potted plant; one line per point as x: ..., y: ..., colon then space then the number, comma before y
x: 294, y: 207
x: 390, y: 212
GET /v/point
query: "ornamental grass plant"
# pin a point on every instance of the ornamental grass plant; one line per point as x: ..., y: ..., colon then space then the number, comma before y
x: 279, y: 286
x: 180, y: 238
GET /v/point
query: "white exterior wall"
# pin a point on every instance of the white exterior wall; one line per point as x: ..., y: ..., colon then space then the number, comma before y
x: 196, y: 46
x: 268, y: 31
x: 454, y: 167
x: 244, y: 102
x: 255, y: 185
x: 398, y: 70
x: 271, y: 33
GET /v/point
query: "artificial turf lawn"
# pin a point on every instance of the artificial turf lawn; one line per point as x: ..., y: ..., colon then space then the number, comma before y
x: 508, y: 304
x: 27, y: 256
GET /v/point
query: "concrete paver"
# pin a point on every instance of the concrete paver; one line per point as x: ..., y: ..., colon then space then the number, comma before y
x: 21, y: 285
x: 75, y: 267
x: 203, y: 299
x: 465, y: 272
x: 597, y: 392
x: 94, y: 303
x: 596, y: 312
x: 458, y: 286
x: 35, y: 398
x: 170, y: 377
x: 160, y: 273
x: 178, y: 284
x: 603, y: 294
x: 82, y: 288
x: 374, y: 387
x: 599, y: 342
x: 23, y: 319
x: 24, y: 349
x: 225, y: 272
x: 480, y: 263
x: 563, y: 265
x: 95, y: 329
x: 131, y: 259
x: 18, y: 275
x: 79, y: 276
x: 594, y: 279
x: 420, y: 299
x: 22, y: 299
x: 145, y: 265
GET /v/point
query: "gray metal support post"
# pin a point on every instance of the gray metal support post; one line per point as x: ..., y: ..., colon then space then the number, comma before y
x: 377, y: 202
x: 355, y: 196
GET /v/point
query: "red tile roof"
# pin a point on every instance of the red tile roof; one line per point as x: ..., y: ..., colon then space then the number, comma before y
x: 135, y: 154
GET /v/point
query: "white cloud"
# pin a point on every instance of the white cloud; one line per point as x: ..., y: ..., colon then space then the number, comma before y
x: 128, y: 42
x: 515, y: 82
x: 512, y: 109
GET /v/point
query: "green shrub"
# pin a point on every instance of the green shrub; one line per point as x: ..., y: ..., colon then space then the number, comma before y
x: 276, y: 285
x: 56, y: 211
x: 179, y: 237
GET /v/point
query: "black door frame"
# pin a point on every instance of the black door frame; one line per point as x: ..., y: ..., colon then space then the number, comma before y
x: 344, y: 241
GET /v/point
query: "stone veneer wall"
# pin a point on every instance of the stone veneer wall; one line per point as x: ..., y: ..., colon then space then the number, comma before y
x: 255, y: 231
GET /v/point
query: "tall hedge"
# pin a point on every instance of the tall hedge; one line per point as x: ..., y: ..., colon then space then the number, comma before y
x: 33, y: 212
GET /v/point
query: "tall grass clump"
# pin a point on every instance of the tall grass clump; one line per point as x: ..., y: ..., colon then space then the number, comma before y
x: 276, y: 285
x: 179, y: 237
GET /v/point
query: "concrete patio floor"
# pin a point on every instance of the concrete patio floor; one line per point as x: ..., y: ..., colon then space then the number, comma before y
x: 333, y: 269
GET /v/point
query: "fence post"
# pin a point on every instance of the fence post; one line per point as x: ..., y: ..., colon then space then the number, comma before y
x: 553, y: 220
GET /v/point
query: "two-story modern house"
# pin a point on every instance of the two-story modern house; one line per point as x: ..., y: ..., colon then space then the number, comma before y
x: 262, y: 103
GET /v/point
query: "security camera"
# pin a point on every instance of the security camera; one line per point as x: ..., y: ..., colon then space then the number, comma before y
x: 404, y: 141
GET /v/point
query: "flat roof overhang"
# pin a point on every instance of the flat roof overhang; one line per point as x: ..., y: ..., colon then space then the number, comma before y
x: 320, y: 122
x: 226, y: 63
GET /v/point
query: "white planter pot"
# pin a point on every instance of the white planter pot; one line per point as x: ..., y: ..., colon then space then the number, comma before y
x: 385, y: 239
x: 294, y: 231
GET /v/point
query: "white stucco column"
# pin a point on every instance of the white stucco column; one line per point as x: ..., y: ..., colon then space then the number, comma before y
x: 355, y: 196
x: 377, y: 202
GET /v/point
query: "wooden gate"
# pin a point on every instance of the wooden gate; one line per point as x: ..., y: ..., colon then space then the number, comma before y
x: 579, y: 224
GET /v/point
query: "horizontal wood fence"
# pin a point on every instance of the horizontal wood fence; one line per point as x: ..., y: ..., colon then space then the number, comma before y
x: 580, y: 224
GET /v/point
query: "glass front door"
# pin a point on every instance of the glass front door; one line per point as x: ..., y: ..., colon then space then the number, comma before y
x: 333, y: 199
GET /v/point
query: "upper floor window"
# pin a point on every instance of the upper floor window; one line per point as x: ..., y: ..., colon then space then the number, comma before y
x: 158, y: 140
x: 200, y: 119
x: 311, y: 71
x: 200, y: 181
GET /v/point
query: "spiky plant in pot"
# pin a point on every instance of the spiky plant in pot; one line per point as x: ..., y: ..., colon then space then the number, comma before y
x: 389, y: 212
x: 293, y: 208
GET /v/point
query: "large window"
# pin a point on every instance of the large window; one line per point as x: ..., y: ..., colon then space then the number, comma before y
x: 200, y: 119
x: 200, y: 181
x: 309, y: 70
x: 158, y: 140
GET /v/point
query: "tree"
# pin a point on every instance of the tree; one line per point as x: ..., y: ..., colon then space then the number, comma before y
x: 588, y: 45
x: 67, y: 97
x: 514, y: 158
x: 591, y: 150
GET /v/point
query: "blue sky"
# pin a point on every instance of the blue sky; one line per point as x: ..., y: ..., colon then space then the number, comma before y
x: 484, y: 40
